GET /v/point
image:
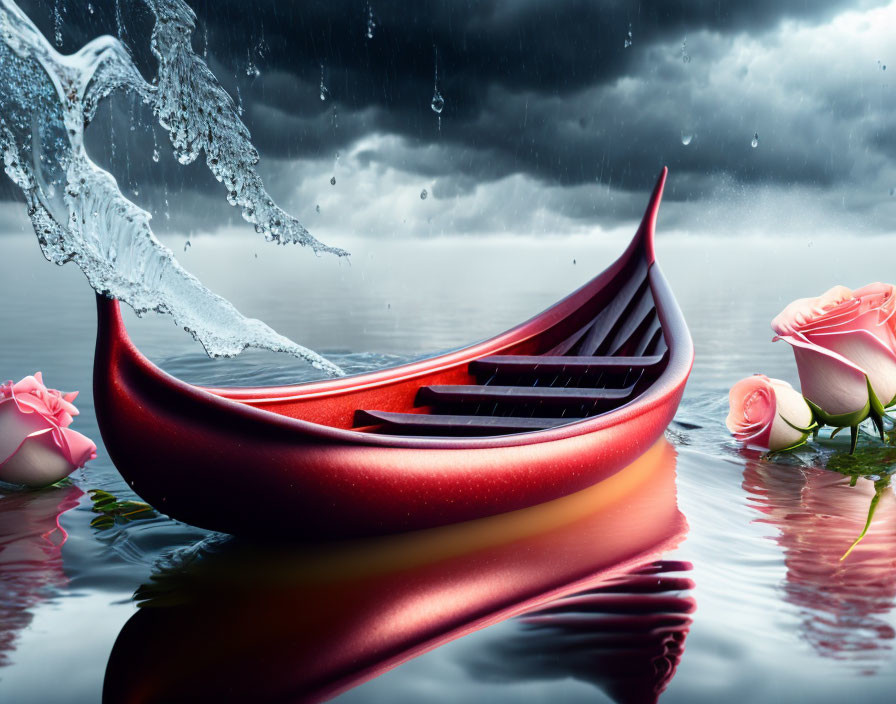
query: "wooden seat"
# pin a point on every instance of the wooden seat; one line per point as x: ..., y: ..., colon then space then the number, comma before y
x: 554, y: 364
x: 461, y: 393
x: 429, y: 422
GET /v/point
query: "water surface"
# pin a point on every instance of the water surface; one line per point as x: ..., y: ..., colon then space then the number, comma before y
x: 752, y: 602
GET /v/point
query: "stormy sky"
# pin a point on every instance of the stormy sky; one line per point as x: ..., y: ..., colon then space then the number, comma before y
x: 551, y: 124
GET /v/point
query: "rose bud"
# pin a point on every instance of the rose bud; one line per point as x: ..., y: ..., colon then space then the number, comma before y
x: 844, y: 343
x: 768, y: 414
x: 37, y: 447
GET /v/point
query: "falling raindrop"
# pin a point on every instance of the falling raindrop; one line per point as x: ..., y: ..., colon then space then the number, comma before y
x: 686, y: 137
x: 90, y: 7
x: 685, y: 57
x: 628, y: 37
x: 883, y: 67
x: 317, y: 208
x: 324, y: 92
x: 755, y: 142
x: 423, y: 194
x: 187, y: 245
x: 57, y: 22
x: 438, y: 102
x: 893, y: 191
x: 239, y: 102
x: 573, y: 262
x: 155, y: 155
x: 371, y: 22
x: 332, y: 180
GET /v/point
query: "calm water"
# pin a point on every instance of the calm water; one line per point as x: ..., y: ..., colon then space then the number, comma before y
x: 707, y: 572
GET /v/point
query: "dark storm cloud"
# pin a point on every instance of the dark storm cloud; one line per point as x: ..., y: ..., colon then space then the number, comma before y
x: 543, y: 89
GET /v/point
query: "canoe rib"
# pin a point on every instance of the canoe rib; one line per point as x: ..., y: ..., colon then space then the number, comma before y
x: 291, y: 459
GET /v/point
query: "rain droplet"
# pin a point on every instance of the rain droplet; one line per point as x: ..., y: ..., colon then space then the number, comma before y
x: 628, y: 36
x: 883, y: 67
x: 371, y: 23
x: 155, y: 155
x: 893, y: 191
x: 686, y: 137
x: 333, y: 181
x: 755, y: 142
x: 317, y: 208
x: 438, y: 102
x: 573, y: 262
x: 187, y: 245
x: 90, y: 7
x: 423, y: 194
x: 324, y: 92
x: 685, y: 57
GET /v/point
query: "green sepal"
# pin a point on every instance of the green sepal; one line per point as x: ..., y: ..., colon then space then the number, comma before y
x: 802, y: 442
x: 841, y: 420
x: 811, y: 429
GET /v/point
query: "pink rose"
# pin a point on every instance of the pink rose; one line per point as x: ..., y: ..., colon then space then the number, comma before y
x: 37, y: 447
x: 845, y: 345
x: 768, y: 414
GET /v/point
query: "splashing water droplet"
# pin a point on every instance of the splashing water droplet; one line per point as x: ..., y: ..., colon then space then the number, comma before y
x: 755, y: 142
x: 155, y: 155
x: 57, y: 23
x: 686, y: 137
x: 423, y: 194
x: 628, y: 37
x: 187, y: 245
x: 333, y: 181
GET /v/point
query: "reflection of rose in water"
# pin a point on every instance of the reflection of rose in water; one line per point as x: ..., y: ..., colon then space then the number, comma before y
x: 843, y: 603
x: 31, y: 542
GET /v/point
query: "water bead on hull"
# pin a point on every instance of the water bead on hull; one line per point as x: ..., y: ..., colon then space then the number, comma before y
x: 77, y: 210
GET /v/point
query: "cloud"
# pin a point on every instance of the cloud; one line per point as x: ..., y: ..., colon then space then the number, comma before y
x: 550, y: 123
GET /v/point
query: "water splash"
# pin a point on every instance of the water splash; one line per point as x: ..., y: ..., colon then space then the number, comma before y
x: 76, y: 208
x: 686, y: 137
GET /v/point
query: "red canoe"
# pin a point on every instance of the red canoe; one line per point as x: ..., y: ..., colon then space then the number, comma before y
x: 545, y: 409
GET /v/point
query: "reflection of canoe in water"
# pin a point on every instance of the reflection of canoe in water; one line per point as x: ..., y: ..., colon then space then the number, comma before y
x: 305, y: 624
x: 543, y: 410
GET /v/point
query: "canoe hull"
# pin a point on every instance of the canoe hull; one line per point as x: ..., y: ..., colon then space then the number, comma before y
x: 221, y: 467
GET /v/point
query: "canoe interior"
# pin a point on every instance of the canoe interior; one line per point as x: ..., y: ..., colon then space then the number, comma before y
x: 592, y: 359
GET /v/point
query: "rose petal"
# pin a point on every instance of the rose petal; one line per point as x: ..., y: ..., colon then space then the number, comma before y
x: 37, y: 462
x: 15, y: 426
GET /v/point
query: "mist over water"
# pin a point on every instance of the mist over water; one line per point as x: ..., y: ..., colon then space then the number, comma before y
x: 78, y: 212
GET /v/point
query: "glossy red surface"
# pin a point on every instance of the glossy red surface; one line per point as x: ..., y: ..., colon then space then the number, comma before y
x: 285, y: 461
x: 259, y: 624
